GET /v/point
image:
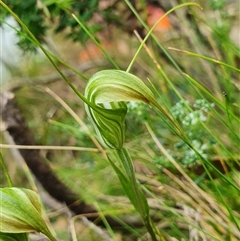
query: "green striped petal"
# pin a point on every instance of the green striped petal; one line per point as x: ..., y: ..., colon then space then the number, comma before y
x: 107, y: 90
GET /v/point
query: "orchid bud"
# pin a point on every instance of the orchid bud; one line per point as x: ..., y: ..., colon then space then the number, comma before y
x: 20, y: 212
x: 106, y: 91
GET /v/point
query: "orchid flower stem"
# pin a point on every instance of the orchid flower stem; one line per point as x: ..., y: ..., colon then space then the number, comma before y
x: 134, y: 193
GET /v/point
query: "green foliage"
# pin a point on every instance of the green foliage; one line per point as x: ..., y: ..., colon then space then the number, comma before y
x: 39, y: 16
x: 217, y: 4
x: 191, y: 119
x: 82, y: 9
x: 32, y: 16
x: 200, y: 125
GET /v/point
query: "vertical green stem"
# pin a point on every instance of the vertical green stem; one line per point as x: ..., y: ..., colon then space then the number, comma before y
x: 152, y: 229
x: 126, y: 162
x: 135, y: 194
x: 5, y: 171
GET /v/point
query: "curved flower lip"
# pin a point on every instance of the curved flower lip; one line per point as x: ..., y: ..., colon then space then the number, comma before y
x: 107, y: 90
x: 109, y: 124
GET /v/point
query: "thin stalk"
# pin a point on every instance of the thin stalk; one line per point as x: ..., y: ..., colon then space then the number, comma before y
x: 10, y: 184
x: 56, y: 58
x: 127, y: 165
x: 96, y: 42
x: 40, y: 147
x: 150, y: 32
x: 228, y: 115
x: 138, y: 199
x: 206, y: 58
x: 205, y: 91
x: 215, y: 186
x: 44, y: 50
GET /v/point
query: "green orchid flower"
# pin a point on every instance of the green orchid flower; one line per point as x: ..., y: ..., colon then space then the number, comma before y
x: 107, y: 91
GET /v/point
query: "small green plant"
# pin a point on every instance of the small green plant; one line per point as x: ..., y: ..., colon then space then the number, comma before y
x: 191, y: 119
x: 20, y: 212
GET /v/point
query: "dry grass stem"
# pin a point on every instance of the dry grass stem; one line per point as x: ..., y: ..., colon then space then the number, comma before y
x: 67, y: 148
x: 78, y: 120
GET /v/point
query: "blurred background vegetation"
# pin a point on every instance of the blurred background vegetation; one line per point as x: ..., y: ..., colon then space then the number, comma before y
x: 195, y: 203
